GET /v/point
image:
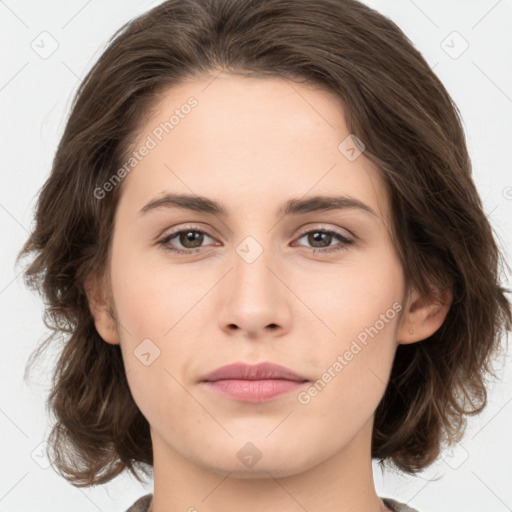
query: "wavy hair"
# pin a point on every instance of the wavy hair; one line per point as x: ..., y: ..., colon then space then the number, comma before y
x: 412, y: 131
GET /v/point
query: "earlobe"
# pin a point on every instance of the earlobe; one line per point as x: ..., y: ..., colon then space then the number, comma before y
x: 423, y: 318
x: 100, y: 310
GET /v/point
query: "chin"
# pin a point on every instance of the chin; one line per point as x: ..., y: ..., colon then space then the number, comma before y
x: 258, y: 472
x: 246, y: 461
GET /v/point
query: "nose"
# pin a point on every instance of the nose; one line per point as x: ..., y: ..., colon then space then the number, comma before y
x: 254, y: 300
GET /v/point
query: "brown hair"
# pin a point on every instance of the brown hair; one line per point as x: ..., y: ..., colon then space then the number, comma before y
x: 412, y: 131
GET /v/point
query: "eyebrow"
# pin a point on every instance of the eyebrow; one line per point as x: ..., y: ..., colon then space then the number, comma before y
x: 294, y: 206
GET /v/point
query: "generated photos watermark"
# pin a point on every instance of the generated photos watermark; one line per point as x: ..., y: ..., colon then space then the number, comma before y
x: 305, y: 397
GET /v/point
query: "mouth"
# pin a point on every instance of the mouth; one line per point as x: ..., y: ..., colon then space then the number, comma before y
x: 253, y: 383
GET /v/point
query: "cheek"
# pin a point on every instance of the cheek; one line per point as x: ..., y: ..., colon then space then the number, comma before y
x: 358, y: 295
x: 352, y: 365
x: 155, y: 304
x: 359, y: 310
x: 160, y: 397
x: 152, y: 296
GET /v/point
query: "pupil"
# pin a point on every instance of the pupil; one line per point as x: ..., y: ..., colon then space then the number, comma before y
x: 317, y: 237
x: 191, y: 236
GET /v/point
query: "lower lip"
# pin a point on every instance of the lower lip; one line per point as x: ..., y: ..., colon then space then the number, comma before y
x: 254, y: 390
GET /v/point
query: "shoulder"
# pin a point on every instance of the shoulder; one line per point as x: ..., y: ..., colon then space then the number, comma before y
x: 396, y: 506
x: 142, y: 504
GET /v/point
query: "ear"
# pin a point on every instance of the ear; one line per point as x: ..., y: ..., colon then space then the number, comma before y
x: 101, y: 309
x: 423, y: 318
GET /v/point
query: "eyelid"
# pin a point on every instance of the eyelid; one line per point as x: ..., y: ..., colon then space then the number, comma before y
x: 173, y: 230
x: 324, y: 227
x: 302, y: 230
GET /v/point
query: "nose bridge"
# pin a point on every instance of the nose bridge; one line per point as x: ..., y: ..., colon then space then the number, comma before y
x: 252, y: 259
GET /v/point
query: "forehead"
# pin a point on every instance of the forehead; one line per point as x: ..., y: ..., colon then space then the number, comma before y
x: 240, y: 139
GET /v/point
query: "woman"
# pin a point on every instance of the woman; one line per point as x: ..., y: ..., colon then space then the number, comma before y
x: 263, y: 240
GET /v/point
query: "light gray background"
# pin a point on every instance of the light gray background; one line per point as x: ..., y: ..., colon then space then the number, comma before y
x: 35, y: 95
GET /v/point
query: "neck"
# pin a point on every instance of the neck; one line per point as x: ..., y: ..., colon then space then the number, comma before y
x: 342, y: 482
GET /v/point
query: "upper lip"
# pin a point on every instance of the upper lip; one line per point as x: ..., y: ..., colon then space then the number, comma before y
x: 259, y: 371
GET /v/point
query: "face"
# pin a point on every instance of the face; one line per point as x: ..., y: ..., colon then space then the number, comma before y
x: 315, y: 290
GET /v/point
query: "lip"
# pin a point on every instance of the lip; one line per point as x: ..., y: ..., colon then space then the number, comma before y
x: 253, y: 383
x: 261, y: 371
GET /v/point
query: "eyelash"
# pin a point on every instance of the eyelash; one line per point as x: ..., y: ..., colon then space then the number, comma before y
x: 165, y: 241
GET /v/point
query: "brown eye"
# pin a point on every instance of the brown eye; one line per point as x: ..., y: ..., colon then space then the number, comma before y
x: 320, y: 240
x: 191, y: 239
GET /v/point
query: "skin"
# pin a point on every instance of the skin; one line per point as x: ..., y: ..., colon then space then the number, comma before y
x: 252, y: 144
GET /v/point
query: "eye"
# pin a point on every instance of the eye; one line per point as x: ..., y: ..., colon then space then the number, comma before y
x: 321, y: 240
x: 192, y: 238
